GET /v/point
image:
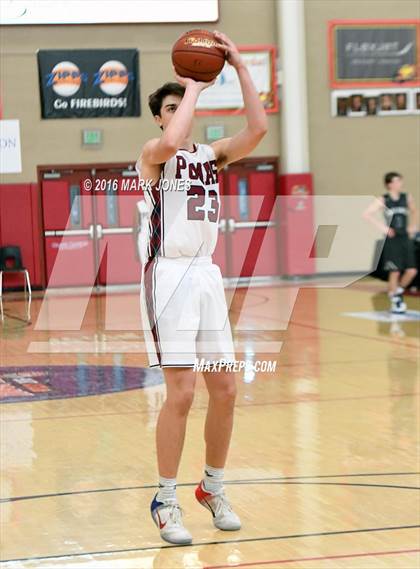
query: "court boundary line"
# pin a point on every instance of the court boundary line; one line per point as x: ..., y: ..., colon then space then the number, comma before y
x: 275, y: 480
x: 324, y: 557
x: 201, y: 544
x: 197, y: 408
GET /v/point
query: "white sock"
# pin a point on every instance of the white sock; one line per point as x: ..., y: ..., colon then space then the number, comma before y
x: 213, y: 478
x: 167, y: 490
x: 399, y: 290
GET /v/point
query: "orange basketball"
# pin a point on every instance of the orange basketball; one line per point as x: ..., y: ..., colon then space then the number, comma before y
x: 196, y: 55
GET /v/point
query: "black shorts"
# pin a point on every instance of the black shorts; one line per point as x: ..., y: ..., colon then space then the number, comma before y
x: 398, y: 253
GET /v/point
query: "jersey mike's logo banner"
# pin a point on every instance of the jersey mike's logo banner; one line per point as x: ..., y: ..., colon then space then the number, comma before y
x: 374, y: 53
x: 85, y: 83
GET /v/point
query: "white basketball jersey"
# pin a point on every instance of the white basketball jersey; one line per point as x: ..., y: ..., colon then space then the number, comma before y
x: 184, y: 205
x: 142, y: 237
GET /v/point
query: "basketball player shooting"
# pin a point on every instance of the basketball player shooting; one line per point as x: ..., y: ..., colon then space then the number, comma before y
x: 181, y: 284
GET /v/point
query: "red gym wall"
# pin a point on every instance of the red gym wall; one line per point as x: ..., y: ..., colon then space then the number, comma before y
x: 278, y: 246
x: 297, y: 224
x: 20, y: 225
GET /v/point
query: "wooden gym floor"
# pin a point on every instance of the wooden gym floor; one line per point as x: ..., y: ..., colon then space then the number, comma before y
x: 323, y: 468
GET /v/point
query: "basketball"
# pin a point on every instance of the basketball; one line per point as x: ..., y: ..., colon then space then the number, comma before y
x: 196, y: 55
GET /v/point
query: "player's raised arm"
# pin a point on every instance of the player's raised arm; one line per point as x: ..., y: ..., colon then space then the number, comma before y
x: 231, y: 149
x: 180, y: 109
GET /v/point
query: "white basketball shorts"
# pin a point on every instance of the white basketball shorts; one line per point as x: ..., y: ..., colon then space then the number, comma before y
x: 184, y: 312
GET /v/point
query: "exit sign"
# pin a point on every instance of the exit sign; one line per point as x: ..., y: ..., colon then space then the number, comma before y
x: 91, y: 137
x: 215, y: 132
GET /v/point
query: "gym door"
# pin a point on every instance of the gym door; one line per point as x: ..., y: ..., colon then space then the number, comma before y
x: 251, y: 226
x: 88, y: 218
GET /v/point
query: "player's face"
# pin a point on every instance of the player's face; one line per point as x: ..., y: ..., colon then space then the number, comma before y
x: 396, y: 184
x: 169, y: 106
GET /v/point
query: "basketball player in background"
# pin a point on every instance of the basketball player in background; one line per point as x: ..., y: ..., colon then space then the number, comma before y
x: 398, y: 253
x: 182, y: 295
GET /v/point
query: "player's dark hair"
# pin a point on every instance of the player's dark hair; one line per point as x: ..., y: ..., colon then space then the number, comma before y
x: 156, y: 98
x: 390, y: 176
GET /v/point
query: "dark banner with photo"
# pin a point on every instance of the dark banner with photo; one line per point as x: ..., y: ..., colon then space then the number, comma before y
x: 88, y: 83
x: 368, y: 53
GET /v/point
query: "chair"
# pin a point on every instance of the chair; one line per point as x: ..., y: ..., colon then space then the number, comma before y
x: 11, y: 262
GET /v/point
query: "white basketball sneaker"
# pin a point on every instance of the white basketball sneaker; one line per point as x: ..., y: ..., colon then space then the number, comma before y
x: 223, y: 516
x: 168, y: 518
x: 398, y: 306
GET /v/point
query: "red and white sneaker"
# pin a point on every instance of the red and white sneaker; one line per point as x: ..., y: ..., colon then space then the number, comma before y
x: 223, y: 516
x: 168, y: 518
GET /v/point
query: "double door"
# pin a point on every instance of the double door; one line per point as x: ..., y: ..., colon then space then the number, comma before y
x: 88, y: 226
x: 248, y: 244
x: 88, y: 217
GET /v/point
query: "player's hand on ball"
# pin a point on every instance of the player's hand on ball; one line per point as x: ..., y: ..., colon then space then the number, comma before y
x: 187, y: 81
x: 232, y: 53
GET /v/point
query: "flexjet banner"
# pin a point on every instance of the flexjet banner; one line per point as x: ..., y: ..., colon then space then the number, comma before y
x: 88, y: 83
x: 374, y: 53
